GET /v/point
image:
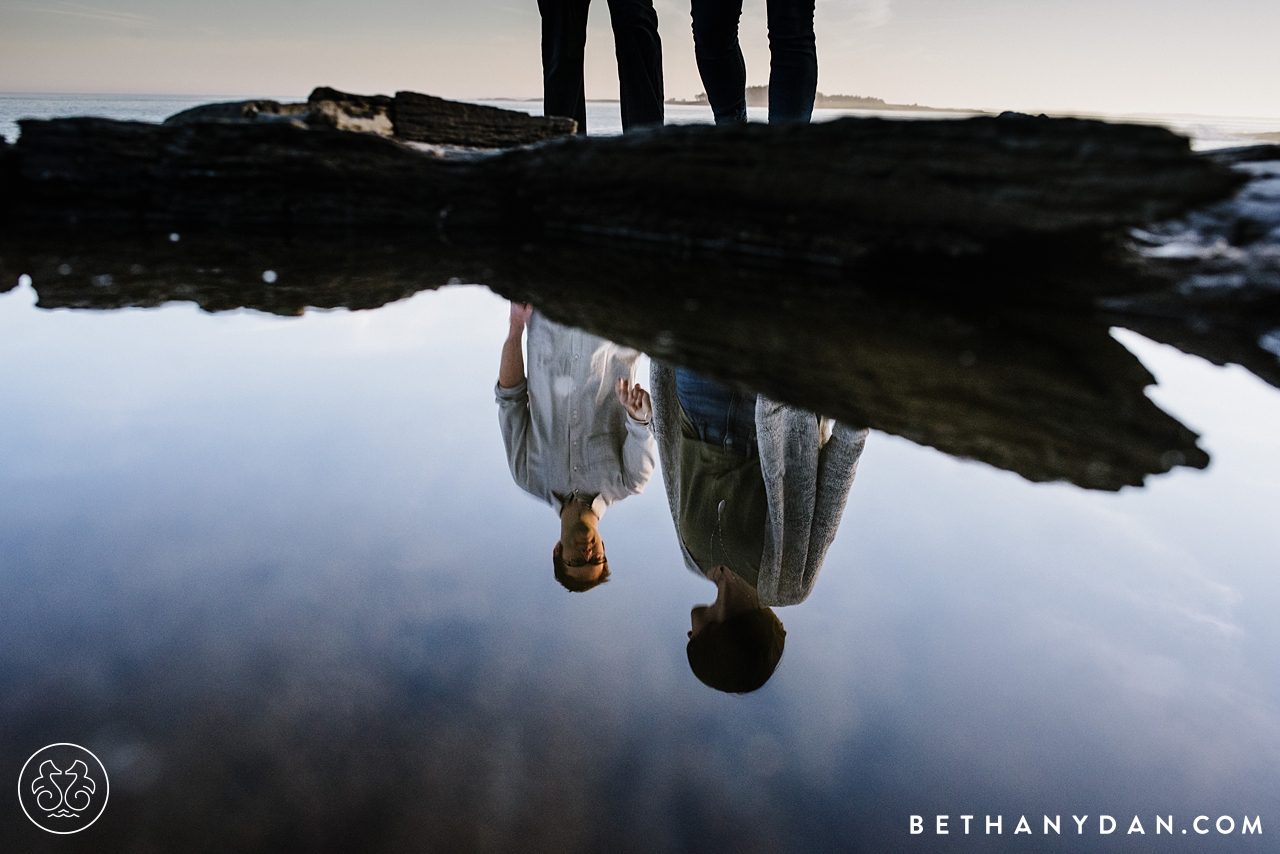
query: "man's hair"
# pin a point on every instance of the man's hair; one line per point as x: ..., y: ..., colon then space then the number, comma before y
x: 739, y: 655
x: 567, y: 581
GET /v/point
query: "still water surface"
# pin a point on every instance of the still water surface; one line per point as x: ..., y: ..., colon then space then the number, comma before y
x: 276, y: 573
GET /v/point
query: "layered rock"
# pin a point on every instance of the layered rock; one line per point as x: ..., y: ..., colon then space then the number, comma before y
x: 409, y: 116
x: 839, y: 190
x: 424, y: 118
x: 242, y: 111
x: 241, y: 177
x: 836, y: 194
x: 341, y: 111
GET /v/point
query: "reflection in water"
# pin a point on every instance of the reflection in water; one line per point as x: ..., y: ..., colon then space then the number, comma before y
x: 1012, y: 367
x: 275, y: 571
x: 576, y: 431
x: 756, y: 490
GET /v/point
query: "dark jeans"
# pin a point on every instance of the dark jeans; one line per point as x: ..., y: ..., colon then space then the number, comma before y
x: 720, y: 415
x: 793, y: 59
x: 635, y: 35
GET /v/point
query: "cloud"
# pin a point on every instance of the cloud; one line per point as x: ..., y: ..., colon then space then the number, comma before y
x: 862, y: 14
x: 92, y: 12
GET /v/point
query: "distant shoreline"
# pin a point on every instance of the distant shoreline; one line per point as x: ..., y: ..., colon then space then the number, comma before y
x: 834, y: 104
x: 758, y: 96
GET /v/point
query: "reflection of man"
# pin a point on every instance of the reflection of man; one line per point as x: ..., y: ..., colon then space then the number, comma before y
x: 576, y: 432
x: 756, y: 491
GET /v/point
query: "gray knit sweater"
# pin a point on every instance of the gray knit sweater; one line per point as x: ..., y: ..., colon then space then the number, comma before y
x: 806, y: 481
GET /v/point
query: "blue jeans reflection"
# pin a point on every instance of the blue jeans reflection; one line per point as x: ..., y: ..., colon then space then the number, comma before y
x: 720, y: 415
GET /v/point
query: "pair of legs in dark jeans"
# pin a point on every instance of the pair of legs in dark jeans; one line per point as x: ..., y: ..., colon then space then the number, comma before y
x: 635, y: 36
x: 793, y: 59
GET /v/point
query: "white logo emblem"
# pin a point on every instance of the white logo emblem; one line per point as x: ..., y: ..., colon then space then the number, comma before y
x: 63, y: 788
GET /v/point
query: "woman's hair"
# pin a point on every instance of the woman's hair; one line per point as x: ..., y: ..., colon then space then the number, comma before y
x: 740, y: 654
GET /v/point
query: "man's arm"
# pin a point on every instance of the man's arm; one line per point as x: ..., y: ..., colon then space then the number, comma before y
x: 511, y: 371
x: 639, y: 451
x: 512, y: 394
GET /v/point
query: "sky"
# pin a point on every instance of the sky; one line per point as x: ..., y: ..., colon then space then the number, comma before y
x: 1101, y: 56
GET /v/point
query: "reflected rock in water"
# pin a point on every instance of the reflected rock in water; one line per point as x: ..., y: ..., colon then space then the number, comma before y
x: 222, y: 273
x: 576, y: 432
x: 1047, y: 394
x: 1225, y: 262
x: 1044, y: 392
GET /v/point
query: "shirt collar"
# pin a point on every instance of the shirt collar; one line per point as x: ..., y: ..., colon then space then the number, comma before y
x: 589, y: 499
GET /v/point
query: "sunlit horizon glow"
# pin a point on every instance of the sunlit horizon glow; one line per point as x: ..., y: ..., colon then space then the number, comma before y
x: 1124, y: 57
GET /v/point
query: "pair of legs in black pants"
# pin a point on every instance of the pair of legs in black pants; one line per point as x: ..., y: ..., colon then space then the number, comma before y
x: 793, y: 59
x: 635, y: 35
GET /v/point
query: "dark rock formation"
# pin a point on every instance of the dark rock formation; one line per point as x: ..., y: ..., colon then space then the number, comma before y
x: 839, y: 190
x: 342, y: 111
x: 241, y: 177
x: 1223, y: 263
x: 423, y: 118
x: 8, y: 178
x: 242, y: 111
x: 409, y: 116
x: 835, y: 193
x: 1244, y: 154
x: 1047, y: 394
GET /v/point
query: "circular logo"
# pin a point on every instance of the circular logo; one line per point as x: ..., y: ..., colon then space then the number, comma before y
x: 63, y: 788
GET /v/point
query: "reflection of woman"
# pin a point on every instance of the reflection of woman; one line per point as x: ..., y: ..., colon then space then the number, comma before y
x: 756, y: 491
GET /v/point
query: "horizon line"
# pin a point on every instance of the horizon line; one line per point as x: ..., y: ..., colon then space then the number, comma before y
x: 1050, y: 112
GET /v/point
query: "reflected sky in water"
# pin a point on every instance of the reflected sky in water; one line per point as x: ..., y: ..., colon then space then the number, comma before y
x: 277, y: 572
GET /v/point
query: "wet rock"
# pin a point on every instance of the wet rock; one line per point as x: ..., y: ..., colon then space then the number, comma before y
x: 837, y: 191
x: 342, y: 111
x: 242, y: 111
x: 241, y: 177
x: 830, y: 194
x: 8, y: 179
x: 424, y: 118
x: 410, y: 116
x: 1245, y: 154
x: 1222, y: 263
